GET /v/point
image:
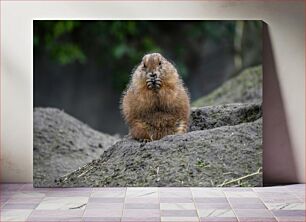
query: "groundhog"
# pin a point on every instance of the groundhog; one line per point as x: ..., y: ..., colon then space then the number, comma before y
x: 156, y: 103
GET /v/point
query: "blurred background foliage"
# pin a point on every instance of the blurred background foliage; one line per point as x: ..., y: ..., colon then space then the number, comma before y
x: 77, y: 64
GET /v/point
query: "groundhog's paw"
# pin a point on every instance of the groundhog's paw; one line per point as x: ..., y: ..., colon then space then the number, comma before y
x: 144, y: 140
x: 181, y: 127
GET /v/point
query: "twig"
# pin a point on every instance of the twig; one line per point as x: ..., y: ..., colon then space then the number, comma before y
x: 84, y: 172
x: 240, y: 178
x: 67, y: 174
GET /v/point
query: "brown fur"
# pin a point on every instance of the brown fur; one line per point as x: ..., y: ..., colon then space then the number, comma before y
x: 154, y: 111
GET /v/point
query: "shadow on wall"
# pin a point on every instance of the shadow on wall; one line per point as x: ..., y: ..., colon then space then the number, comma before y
x: 278, y: 160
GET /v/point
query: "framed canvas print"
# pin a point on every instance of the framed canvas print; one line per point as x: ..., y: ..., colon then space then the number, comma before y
x: 147, y: 103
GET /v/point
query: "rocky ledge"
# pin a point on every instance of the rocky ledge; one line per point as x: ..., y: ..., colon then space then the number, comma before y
x: 222, y: 148
x: 62, y: 144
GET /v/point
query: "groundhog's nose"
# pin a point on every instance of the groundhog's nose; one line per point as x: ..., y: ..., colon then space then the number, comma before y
x: 153, y: 75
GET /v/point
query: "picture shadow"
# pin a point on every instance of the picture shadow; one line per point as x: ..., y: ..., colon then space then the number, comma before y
x: 278, y: 159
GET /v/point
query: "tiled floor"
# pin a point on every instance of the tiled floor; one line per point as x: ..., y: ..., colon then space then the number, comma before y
x: 22, y: 202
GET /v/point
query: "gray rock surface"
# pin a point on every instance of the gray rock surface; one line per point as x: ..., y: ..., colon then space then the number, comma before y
x: 63, y: 144
x: 246, y: 87
x: 223, y: 115
x: 225, y: 144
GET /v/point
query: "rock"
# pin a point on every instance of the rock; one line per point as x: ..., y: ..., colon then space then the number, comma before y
x: 63, y: 144
x: 226, y: 146
x: 223, y: 115
x: 243, y: 88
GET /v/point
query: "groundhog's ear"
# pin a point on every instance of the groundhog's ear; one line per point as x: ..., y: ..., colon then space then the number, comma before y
x: 144, y: 60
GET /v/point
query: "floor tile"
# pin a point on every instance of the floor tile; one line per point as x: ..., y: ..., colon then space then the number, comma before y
x: 68, y: 193
x: 236, y: 205
x: 3, y: 200
x: 218, y: 219
x: 237, y: 189
x: 177, y: 206
x: 280, y: 200
x: 175, y: 192
x: 7, y: 194
x: 105, y: 200
x: 299, y: 194
x: 140, y: 219
x: 207, y: 192
x: 274, y: 189
x: 253, y: 213
x: 142, y: 200
x: 289, y: 213
x: 55, y: 219
x: 103, y: 213
x: 178, y: 213
x: 255, y: 219
x: 62, y: 203
x: 20, y: 206
x: 110, y: 193
x: 262, y: 204
x: 179, y: 219
x: 272, y: 197
x: 149, y: 192
x: 141, y: 206
x: 91, y: 205
x: 14, y: 214
x: 30, y: 200
x: 272, y: 193
x: 71, y: 189
x: 224, y: 205
x: 141, y: 213
x: 296, y: 187
x: 176, y: 200
x: 101, y: 219
x: 10, y: 186
x: 29, y: 187
x: 175, y: 189
x: 291, y: 219
x: 56, y: 213
x: 285, y: 206
x: 210, y: 200
x: 240, y: 194
x: 246, y: 200
x: 28, y: 194
x: 216, y: 213
x: 116, y: 189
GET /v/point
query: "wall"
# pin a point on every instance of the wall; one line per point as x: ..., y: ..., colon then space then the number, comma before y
x: 284, y: 95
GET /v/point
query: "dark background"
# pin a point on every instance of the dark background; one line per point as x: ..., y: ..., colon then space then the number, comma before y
x: 82, y: 67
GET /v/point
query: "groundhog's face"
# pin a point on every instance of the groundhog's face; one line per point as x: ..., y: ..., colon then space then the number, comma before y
x: 154, y: 70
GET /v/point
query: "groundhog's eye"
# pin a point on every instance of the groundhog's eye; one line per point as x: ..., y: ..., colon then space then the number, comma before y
x: 144, y: 66
x: 159, y: 63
